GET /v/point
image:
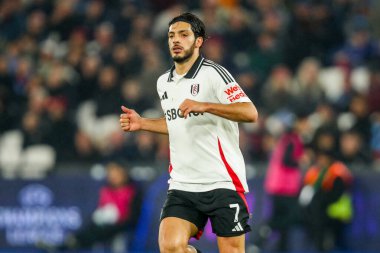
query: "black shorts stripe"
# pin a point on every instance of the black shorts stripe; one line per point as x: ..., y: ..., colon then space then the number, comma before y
x: 226, y: 74
x: 225, y: 79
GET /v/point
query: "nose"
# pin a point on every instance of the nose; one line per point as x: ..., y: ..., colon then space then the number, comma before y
x: 176, y: 39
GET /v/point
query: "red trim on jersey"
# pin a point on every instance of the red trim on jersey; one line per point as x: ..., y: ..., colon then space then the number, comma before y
x: 198, y: 235
x: 244, y: 199
x: 170, y: 168
x: 235, y: 179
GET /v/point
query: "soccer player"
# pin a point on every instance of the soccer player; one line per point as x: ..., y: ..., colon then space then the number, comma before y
x: 202, y: 104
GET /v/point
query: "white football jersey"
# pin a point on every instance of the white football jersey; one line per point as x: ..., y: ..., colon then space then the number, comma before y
x: 204, y: 148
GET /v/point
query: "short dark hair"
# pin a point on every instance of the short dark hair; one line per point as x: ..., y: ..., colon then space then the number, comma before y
x: 197, y: 26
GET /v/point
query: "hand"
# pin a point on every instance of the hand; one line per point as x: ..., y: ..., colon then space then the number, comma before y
x: 130, y: 120
x: 189, y: 105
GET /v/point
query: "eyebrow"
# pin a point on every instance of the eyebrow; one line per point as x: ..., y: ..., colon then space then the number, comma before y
x: 180, y: 31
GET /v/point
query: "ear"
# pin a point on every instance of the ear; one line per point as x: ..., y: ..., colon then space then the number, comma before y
x: 198, y: 42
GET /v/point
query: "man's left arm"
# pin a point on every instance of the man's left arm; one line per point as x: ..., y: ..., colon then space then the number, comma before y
x: 239, y: 111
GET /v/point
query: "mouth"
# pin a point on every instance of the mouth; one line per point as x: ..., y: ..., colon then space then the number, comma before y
x: 176, y: 49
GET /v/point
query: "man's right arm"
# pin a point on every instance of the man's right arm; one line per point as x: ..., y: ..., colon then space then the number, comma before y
x: 131, y: 121
x: 155, y: 125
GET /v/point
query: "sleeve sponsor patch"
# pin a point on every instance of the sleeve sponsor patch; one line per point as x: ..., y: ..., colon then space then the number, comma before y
x: 234, y: 93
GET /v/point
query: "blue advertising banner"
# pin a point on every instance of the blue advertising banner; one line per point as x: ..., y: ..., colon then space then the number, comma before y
x: 44, y: 210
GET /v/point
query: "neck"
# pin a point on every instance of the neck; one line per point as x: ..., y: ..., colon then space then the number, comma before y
x: 184, y: 67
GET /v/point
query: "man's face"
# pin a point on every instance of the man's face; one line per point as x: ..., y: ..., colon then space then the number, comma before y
x: 181, y: 41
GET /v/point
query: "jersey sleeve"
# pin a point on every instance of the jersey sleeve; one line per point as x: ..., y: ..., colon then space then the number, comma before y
x: 227, y: 90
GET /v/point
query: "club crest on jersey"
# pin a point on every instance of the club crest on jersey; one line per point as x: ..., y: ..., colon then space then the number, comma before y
x: 194, y: 89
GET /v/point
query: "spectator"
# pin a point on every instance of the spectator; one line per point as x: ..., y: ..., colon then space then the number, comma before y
x: 274, y: 23
x: 59, y: 84
x: 45, y: 6
x: 95, y: 14
x: 107, y: 98
x: 5, y: 117
x: 374, y: 90
x: 33, y: 129
x: 64, y: 19
x: 127, y: 62
x: 123, y: 22
x: 60, y: 129
x: 6, y: 95
x: 103, y: 41
x: 359, y: 46
x: 276, y: 94
x: 142, y: 149
x: 248, y: 80
x: 353, y: 150
x: 133, y: 96
x: 21, y: 76
x: 358, y: 108
x: 140, y: 29
x: 88, y: 71
x: 11, y: 20
x: 152, y: 60
x: 265, y: 56
x: 283, y: 182
x: 239, y: 29
x: 375, y: 140
x: 214, y: 50
x: 326, y: 137
x: 306, y: 89
x: 326, y: 201
x: 75, y: 48
x: 36, y: 25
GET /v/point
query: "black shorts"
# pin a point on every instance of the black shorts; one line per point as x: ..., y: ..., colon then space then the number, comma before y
x: 227, y: 210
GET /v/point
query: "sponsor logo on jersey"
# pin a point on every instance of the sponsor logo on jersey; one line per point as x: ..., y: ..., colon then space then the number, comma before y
x: 173, y: 114
x: 234, y: 93
x: 194, y: 89
x: 164, y: 96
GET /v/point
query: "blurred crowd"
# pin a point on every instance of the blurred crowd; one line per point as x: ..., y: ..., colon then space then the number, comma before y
x: 66, y: 67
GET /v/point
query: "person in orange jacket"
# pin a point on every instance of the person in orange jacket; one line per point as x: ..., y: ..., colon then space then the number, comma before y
x: 326, y: 200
